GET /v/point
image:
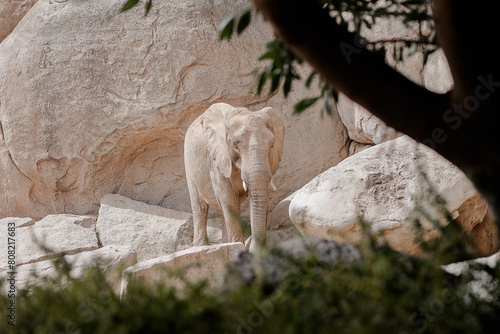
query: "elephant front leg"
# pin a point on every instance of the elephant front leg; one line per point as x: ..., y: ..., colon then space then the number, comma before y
x: 224, y: 238
x: 200, y: 216
x: 232, y: 225
x: 231, y: 220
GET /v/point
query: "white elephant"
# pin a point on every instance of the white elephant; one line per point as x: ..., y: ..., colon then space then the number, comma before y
x: 231, y: 154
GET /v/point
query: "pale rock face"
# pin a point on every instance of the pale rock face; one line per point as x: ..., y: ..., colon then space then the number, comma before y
x: 11, y: 12
x: 150, y: 230
x: 111, y: 259
x: 365, y: 128
x: 201, y: 262
x: 94, y: 101
x: 278, y: 236
x: 18, y: 222
x: 362, y: 126
x: 356, y: 147
x: 279, y: 216
x: 384, y: 184
x: 61, y: 234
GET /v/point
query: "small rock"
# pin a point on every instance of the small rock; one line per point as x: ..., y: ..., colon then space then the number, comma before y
x: 201, y: 262
x: 152, y: 231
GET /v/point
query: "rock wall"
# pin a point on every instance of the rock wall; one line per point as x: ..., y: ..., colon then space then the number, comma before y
x: 11, y: 12
x: 94, y: 101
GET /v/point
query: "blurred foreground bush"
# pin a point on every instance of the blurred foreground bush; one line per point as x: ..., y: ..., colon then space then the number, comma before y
x: 385, y: 292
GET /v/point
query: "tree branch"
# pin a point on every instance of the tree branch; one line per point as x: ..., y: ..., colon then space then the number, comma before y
x: 347, y: 66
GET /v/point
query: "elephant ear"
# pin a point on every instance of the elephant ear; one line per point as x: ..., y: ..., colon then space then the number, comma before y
x: 215, y: 132
x: 279, y: 136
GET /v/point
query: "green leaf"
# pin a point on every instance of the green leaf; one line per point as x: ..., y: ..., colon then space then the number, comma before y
x: 226, y: 27
x: 263, y: 78
x: 413, y: 48
x: 287, y: 87
x: 309, y: 79
x: 244, y: 21
x: 328, y: 105
x: 275, y: 82
x: 149, y: 4
x: 304, y: 104
x: 129, y: 4
x: 271, y: 54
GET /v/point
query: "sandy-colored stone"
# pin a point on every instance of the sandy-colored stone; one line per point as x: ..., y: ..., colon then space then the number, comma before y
x: 94, y: 101
x: 194, y: 264
x: 111, y: 259
x: 385, y: 185
x: 18, y: 222
x: 11, y: 12
x: 362, y: 126
x: 356, y: 147
x: 150, y: 230
x: 83, y: 221
x: 279, y: 216
x: 276, y: 237
x: 60, y: 234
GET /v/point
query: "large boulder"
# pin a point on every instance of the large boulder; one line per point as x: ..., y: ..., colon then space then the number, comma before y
x: 389, y: 186
x: 151, y: 231
x: 94, y: 101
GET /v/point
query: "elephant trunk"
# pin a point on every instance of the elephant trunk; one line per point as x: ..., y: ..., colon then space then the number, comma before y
x: 257, y: 179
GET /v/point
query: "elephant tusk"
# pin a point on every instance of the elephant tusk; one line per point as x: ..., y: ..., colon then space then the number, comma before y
x: 245, y: 186
x: 273, y: 186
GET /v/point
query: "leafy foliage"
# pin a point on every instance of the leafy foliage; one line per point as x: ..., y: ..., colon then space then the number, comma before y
x: 385, y: 292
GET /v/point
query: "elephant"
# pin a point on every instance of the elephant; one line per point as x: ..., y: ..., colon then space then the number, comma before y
x: 231, y: 154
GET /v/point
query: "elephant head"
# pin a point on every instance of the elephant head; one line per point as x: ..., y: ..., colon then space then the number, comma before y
x: 251, y: 141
